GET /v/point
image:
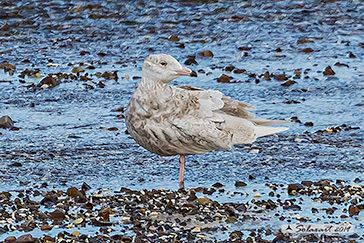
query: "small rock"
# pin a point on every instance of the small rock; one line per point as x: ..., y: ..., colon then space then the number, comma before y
x: 191, y: 60
x: 288, y: 83
x: 239, y: 71
x: 85, y: 186
x: 297, y: 72
x: 240, y: 184
x: 72, y: 192
x: 192, y: 196
x: 49, y: 198
x: 309, y: 124
x: 58, y: 215
x: 254, y: 151
x: 307, y: 183
x: 196, y: 230
x: 10, y: 239
x: 229, y: 68
x: 328, y: 71
x: 28, y: 238
x: 105, y: 214
x: 295, y: 119
x: 153, y: 214
x: 78, y: 70
x: 306, y: 50
x: 78, y: 221
x: 16, y: 164
x: 101, y: 54
x: 339, y: 64
x: 120, y: 109
x: 231, y: 219
x: 236, y: 235
x: 217, y: 185
x: 292, y: 188
x: 351, y: 55
x: 353, y: 210
x: 46, y: 227
x: 7, y: 67
x: 224, y: 79
x: 304, y: 41
x: 207, y: 53
x: 281, y: 77
x: 244, y: 48
x: 48, y: 82
x: 6, y: 122
x: 174, y: 38
x: 203, y: 200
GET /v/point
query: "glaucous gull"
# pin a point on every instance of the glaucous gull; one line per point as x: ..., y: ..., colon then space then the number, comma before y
x: 183, y: 120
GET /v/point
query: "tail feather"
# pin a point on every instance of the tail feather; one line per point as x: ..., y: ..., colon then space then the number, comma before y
x: 264, y: 122
x: 262, y: 131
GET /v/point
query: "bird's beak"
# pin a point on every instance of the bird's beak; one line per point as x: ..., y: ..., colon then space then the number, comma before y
x: 185, y: 72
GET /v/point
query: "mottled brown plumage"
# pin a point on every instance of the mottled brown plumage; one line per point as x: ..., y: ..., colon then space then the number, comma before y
x: 182, y: 120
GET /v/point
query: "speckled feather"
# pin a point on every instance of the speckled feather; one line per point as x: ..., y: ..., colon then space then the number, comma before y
x: 170, y: 120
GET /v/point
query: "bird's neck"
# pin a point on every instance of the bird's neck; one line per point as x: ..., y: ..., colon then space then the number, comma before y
x: 150, y: 85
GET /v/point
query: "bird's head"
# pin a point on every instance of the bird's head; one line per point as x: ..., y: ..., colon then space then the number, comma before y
x: 164, y: 68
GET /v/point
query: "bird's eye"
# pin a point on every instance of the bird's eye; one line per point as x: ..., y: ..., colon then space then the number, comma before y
x: 163, y: 63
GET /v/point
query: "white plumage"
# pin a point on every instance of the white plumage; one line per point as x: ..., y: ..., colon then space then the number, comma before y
x: 182, y: 120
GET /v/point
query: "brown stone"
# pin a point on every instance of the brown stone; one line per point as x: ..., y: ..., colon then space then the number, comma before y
x: 28, y: 238
x: 281, y: 77
x: 288, y: 83
x: 353, y: 210
x: 6, y: 122
x: 207, y: 53
x: 240, y: 184
x: 293, y: 188
x: 58, y: 215
x: 304, y: 41
x: 174, y: 38
x: 306, y: 50
x: 50, y: 81
x: 224, y: 79
x: 46, y: 228
x: 72, y: 191
x: 10, y: 239
x: 105, y: 214
x: 328, y: 71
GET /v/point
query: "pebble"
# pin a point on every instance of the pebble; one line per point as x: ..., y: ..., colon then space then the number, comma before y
x: 293, y: 188
x: 203, y: 200
x: 206, y: 53
x: 77, y: 70
x: 353, y: 210
x: 196, y: 230
x: 240, y: 184
x: 153, y: 214
x: 231, y: 219
x: 6, y: 122
x: 78, y: 221
x: 28, y: 238
x: 254, y: 151
x: 328, y: 71
x: 10, y: 239
x: 224, y: 79
x: 288, y: 83
x: 58, y: 214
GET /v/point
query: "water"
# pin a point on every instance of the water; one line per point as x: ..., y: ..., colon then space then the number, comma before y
x: 62, y: 140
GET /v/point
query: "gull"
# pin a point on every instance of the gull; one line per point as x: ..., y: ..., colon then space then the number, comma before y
x: 183, y: 120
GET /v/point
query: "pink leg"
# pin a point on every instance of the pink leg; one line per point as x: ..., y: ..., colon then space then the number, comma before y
x: 182, y: 160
